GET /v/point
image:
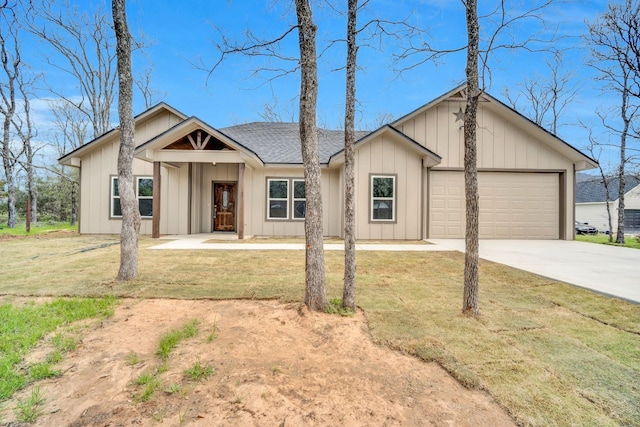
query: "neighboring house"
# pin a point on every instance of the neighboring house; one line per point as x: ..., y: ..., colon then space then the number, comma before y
x: 591, y: 206
x: 248, y: 179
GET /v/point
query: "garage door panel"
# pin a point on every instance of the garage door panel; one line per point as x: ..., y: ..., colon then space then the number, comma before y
x: 512, y: 205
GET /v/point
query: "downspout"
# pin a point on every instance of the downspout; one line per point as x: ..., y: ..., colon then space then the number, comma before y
x: 189, y: 197
x: 424, y: 197
x: 573, y: 203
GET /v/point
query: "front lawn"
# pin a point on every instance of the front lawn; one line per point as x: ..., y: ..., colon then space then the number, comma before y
x: 39, y: 228
x: 629, y: 241
x: 550, y: 353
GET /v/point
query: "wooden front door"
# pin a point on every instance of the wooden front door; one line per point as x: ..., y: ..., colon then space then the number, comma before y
x: 224, y: 206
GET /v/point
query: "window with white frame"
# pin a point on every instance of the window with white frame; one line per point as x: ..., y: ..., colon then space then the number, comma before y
x: 299, y: 199
x: 286, y: 199
x: 383, y: 198
x: 144, y: 194
x: 277, y: 198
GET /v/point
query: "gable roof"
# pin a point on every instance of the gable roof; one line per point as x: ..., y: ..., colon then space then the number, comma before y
x: 431, y: 158
x: 187, y: 126
x: 580, y: 160
x: 590, y: 188
x: 279, y: 143
x: 68, y: 159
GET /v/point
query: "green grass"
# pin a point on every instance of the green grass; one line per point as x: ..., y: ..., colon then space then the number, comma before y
x: 149, y: 380
x: 42, y: 370
x: 150, y: 385
x: 198, y: 371
x: 36, y: 228
x: 173, y: 388
x: 549, y: 353
x: 214, y: 331
x: 145, y: 378
x: 335, y: 307
x: 172, y: 338
x: 22, y: 327
x: 132, y: 358
x: 28, y: 410
x: 629, y: 241
x: 64, y: 343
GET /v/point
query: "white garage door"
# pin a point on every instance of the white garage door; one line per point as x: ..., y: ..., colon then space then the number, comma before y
x: 512, y: 205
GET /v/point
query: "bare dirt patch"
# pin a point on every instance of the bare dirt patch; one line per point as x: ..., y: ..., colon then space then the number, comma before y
x: 274, y: 365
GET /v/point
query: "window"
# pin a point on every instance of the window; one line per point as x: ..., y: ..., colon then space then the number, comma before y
x: 383, y: 198
x: 631, y: 220
x: 144, y: 194
x: 299, y: 199
x: 277, y: 198
x: 286, y: 199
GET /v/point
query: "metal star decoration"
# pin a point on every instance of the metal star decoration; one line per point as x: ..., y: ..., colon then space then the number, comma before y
x: 459, y: 115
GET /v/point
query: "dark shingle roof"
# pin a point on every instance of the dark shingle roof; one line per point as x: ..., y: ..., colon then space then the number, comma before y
x: 277, y: 142
x: 590, y: 189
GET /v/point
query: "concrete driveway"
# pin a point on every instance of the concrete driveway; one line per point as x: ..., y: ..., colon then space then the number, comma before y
x: 605, y: 269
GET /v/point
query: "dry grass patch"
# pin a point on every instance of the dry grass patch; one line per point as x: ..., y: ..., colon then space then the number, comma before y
x: 550, y: 353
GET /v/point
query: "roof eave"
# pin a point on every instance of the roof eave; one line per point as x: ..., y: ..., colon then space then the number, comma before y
x: 429, y: 157
x: 428, y: 104
x: 580, y: 160
x: 187, y: 126
x: 69, y: 158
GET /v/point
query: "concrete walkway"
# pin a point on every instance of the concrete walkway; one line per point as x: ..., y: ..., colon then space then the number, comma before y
x: 605, y: 269
x: 205, y: 242
x: 609, y: 270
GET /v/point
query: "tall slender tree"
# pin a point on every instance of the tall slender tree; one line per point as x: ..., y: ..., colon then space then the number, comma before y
x: 349, y: 288
x: 471, y: 257
x: 498, y: 21
x: 614, y: 39
x: 128, y: 202
x: 72, y: 128
x: 315, y: 296
x: 11, y: 62
x: 26, y: 132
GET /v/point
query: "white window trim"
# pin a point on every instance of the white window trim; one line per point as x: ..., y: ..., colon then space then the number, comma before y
x: 112, y: 197
x: 269, y: 199
x: 393, y: 199
x: 138, y: 197
x: 294, y: 199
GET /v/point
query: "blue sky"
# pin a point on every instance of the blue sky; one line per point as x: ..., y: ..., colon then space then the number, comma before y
x: 183, y: 33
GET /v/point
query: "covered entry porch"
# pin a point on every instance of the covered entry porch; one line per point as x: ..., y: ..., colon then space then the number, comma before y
x: 198, y: 180
x: 215, y: 197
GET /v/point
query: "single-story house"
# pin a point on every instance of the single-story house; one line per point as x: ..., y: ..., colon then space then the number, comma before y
x: 248, y: 179
x: 591, y: 202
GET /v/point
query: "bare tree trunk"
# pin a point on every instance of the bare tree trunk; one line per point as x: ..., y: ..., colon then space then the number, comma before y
x: 607, y: 201
x: 11, y: 192
x: 24, y: 127
x: 623, y: 161
x: 315, y: 288
x: 595, y: 153
x: 9, y: 172
x: 31, y: 183
x: 614, y: 53
x: 349, y: 289
x: 130, y: 212
x: 471, y: 257
x: 72, y: 128
x: 10, y: 58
